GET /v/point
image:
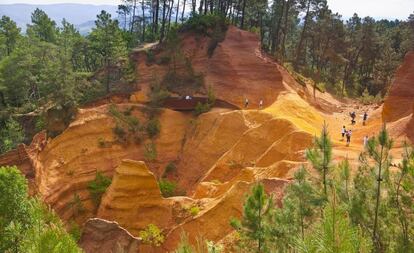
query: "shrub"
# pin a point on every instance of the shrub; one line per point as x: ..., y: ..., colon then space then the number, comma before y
x: 201, y: 108
x: 40, y: 124
x: 211, y: 97
x: 167, y: 188
x: 194, y: 210
x: 153, y: 127
x: 150, y: 152
x: 368, y: 99
x: 119, y: 132
x: 98, y: 186
x: 169, y: 168
x: 152, y: 235
x: 76, y: 205
x: 157, y: 94
x: 203, y: 23
x: 75, y: 231
x: 10, y: 135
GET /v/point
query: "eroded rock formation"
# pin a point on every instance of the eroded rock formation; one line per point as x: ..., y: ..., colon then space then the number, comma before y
x: 134, y: 198
x: 400, y: 100
x: 102, y: 236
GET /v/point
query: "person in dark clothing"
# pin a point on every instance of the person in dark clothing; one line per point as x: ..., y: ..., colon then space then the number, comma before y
x: 364, y: 118
x: 353, y: 115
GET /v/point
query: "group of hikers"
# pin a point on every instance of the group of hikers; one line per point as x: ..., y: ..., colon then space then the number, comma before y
x: 246, y: 103
x: 348, y: 133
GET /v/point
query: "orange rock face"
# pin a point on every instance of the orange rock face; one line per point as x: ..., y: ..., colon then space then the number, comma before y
x: 400, y: 100
x: 102, y: 236
x: 134, y: 198
x: 70, y: 161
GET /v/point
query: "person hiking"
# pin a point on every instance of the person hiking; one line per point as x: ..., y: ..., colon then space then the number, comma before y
x: 348, y: 137
x: 246, y: 103
x: 353, y: 115
x: 343, y: 131
x: 261, y: 103
x: 364, y: 118
x: 365, y: 140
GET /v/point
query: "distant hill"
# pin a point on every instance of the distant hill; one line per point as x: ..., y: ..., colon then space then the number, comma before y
x: 81, y: 15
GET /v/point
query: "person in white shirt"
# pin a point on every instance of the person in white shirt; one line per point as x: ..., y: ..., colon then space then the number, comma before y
x: 365, y: 140
x: 261, y: 103
x: 343, y: 131
x: 246, y: 103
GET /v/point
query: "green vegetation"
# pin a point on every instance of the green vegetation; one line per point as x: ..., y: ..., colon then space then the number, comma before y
x: 98, y: 186
x: 10, y: 135
x: 194, y: 210
x: 152, y: 235
x: 205, y: 107
x: 170, y: 168
x: 334, y: 212
x: 27, y: 225
x: 127, y: 126
x: 202, y: 246
x: 167, y: 188
x: 55, y: 66
x: 201, y: 108
x: 153, y: 127
x: 76, y: 205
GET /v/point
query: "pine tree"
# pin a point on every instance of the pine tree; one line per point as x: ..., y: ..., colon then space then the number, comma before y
x: 334, y: 233
x: 10, y: 33
x: 378, y: 150
x: 320, y: 155
x: 42, y: 27
x: 256, y: 211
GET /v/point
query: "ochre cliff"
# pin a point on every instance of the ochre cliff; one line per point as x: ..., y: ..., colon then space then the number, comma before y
x: 400, y: 99
x: 134, y: 198
x: 104, y: 236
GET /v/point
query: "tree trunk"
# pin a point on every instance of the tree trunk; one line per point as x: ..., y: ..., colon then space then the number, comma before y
x: 133, y: 15
x: 285, y: 26
x: 243, y: 12
x: 200, y: 7
x: 205, y: 7
x: 143, y: 20
x: 157, y: 9
x: 302, y: 35
x: 182, y: 14
x: 176, y: 13
x: 379, y: 179
x: 163, y: 21
x: 194, y: 2
x: 169, y: 15
x: 275, y: 44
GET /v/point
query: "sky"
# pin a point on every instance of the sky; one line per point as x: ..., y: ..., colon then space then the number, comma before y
x: 391, y: 9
